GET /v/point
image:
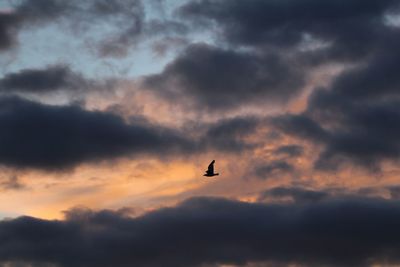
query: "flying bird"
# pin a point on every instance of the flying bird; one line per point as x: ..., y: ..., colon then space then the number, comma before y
x: 210, y: 170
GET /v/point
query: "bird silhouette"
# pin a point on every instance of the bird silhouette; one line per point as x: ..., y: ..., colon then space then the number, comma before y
x: 210, y: 170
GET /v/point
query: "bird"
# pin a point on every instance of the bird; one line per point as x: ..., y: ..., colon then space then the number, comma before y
x: 210, y: 170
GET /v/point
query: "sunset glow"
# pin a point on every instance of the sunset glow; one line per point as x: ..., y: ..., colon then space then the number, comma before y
x: 112, y: 113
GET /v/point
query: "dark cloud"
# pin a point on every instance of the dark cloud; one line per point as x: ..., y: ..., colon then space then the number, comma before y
x: 363, y: 104
x: 369, y: 138
x: 362, y: 134
x: 51, y: 137
x: 350, y: 29
x: 289, y: 150
x: 373, y: 81
x: 297, y: 194
x: 231, y: 134
x: 353, y: 119
x: 300, y: 125
x: 356, y: 118
x: 303, y: 195
x: 216, y: 78
x: 273, y: 168
x: 43, y: 80
x: 9, y: 24
x: 207, y: 231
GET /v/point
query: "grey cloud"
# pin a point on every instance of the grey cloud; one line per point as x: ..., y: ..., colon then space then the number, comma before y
x: 273, y: 168
x: 355, y: 119
x: 53, y: 137
x: 363, y: 134
x: 297, y: 194
x: 362, y: 106
x: 43, y: 80
x: 9, y: 24
x: 216, y: 78
x: 230, y: 134
x: 50, y: 137
x: 300, y: 125
x: 351, y: 28
x: 210, y: 231
x: 289, y: 150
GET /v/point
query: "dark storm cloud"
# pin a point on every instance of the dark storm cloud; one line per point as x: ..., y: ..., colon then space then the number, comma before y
x: 43, y: 80
x: 351, y: 28
x: 52, y: 137
x: 201, y: 231
x: 124, y: 17
x: 217, y: 78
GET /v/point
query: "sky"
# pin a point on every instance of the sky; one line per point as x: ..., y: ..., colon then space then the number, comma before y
x: 111, y: 111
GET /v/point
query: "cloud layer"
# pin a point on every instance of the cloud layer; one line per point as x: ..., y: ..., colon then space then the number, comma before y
x: 51, y: 78
x: 210, y: 231
x: 216, y: 78
x: 51, y: 137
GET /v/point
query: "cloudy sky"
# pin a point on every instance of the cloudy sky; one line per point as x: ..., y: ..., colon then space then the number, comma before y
x: 111, y: 110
